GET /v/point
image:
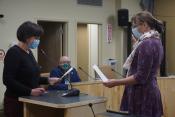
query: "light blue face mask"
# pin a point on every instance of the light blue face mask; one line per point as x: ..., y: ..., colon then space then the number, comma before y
x: 34, y: 44
x: 136, y: 33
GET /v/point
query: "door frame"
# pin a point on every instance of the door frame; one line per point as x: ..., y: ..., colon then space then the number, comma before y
x: 100, y: 37
x: 66, y: 22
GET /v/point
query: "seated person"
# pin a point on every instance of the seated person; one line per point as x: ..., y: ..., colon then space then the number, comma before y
x: 64, y: 65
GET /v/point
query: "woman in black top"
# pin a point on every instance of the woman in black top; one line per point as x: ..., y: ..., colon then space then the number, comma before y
x: 21, y: 74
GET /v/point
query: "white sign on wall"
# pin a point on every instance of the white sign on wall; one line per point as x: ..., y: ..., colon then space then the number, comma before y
x: 109, y: 33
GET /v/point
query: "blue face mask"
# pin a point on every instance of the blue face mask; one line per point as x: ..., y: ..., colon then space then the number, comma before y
x: 136, y: 33
x: 34, y: 44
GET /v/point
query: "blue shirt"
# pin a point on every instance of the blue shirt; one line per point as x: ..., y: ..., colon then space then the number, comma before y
x: 58, y: 72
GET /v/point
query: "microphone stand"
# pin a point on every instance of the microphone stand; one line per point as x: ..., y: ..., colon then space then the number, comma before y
x: 47, y: 57
x: 72, y: 91
x: 86, y: 73
x: 118, y: 73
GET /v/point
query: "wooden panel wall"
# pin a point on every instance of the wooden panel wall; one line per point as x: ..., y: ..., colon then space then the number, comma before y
x: 114, y: 95
x: 167, y: 88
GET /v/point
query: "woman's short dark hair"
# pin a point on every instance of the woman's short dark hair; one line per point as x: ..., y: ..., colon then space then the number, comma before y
x: 29, y: 29
x: 147, y: 17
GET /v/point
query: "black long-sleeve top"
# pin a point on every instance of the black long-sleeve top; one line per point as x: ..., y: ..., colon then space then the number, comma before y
x: 21, y: 72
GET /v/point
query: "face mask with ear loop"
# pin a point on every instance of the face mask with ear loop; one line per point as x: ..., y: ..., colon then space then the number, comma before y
x: 34, y: 44
x: 65, y: 66
x: 136, y: 33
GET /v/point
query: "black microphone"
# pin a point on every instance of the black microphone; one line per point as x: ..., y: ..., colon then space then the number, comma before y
x: 118, y: 73
x: 72, y: 91
x: 85, y: 72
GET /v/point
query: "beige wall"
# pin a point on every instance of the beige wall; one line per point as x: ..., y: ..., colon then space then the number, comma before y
x: 164, y: 10
x: 131, y: 5
x: 18, y: 11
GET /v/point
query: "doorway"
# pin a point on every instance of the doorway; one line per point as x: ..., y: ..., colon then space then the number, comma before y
x: 87, y: 49
x: 52, y: 44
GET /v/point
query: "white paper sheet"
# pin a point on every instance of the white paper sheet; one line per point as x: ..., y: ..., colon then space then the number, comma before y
x: 99, y: 72
x: 68, y: 71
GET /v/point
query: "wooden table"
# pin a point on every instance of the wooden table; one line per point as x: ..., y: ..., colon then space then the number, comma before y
x: 52, y: 104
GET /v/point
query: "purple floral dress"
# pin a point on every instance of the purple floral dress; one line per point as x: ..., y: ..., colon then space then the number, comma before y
x: 144, y: 98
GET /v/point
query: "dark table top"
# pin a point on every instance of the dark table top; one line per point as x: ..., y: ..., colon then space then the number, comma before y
x: 109, y: 114
x: 55, y: 99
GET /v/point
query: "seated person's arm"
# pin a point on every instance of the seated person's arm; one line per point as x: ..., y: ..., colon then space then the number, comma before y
x: 75, y: 77
x: 61, y: 86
